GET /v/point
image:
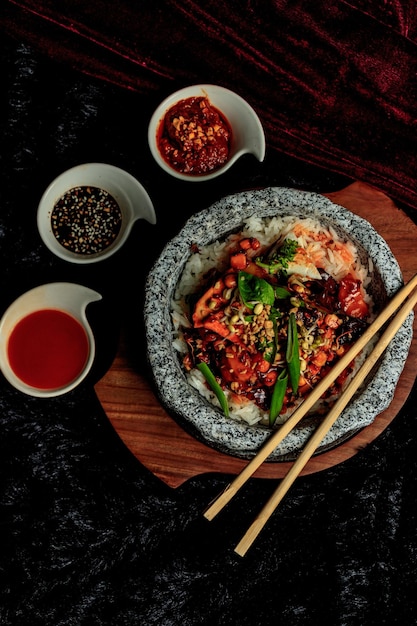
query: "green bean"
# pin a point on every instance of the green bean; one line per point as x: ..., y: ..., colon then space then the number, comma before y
x: 278, y: 394
x: 211, y: 379
x: 293, y: 354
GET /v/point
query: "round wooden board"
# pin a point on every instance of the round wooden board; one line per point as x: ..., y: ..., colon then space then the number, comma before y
x: 174, y: 456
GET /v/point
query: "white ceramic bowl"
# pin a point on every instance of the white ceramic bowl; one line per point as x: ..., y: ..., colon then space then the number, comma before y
x: 133, y: 200
x: 228, y: 215
x: 68, y: 298
x: 247, y: 133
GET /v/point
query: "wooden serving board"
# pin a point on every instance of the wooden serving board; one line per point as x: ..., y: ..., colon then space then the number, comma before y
x: 174, y: 456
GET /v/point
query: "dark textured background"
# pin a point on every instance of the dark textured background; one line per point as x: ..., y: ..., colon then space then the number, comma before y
x: 333, y: 81
x: 88, y: 536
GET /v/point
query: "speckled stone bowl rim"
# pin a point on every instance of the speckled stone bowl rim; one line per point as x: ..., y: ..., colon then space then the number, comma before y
x: 184, y: 403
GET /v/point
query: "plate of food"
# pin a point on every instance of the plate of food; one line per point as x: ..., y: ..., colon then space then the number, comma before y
x: 249, y: 306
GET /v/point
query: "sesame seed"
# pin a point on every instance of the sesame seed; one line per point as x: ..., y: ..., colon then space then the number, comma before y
x: 86, y: 220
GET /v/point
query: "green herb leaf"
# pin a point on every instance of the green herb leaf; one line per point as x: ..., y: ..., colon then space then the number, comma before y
x: 278, y: 394
x: 211, y: 379
x: 288, y: 249
x: 253, y: 289
x: 278, y: 261
x: 293, y: 355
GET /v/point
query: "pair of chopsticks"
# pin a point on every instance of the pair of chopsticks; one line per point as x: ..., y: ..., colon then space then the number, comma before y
x: 253, y: 531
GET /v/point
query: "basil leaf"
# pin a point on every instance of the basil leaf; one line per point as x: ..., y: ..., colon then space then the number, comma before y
x: 253, y: 289
x: 278, y: 395
x: 293, y: 355
x: 211, y: 380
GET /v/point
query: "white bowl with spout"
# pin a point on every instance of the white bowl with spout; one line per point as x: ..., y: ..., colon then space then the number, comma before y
x: 41, y: 354
x: 248, y: 136
x: 131, y: 197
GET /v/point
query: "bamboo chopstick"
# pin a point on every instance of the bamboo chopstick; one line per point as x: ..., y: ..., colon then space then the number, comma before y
x: 323, y: 428
x: 220, y: 501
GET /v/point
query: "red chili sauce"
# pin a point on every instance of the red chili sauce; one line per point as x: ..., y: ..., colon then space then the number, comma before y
x: 48, y: 349
x: 194, y: 137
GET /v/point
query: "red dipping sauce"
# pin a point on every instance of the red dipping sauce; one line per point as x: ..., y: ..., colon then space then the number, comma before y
x: 194, y: 137
x: 48, y: 349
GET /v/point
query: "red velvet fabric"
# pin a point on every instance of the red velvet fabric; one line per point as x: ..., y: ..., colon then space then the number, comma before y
x: 334, y: 83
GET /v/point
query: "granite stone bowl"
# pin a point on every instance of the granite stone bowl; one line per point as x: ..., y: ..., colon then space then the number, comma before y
x: 185, y: 404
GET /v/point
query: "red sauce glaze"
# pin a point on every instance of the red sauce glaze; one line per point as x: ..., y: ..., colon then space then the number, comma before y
x: 351, y: 298
x: 48, y: 349
x: 194, y: 137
